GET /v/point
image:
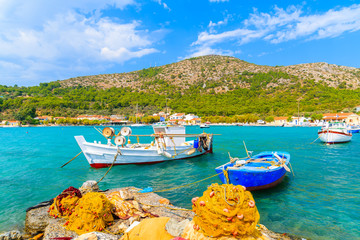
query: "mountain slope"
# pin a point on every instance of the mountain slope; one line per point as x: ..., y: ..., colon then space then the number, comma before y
x: 207, y: 86
x: 221, y: 74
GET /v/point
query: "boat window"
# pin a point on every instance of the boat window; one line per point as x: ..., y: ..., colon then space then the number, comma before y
x: 159, y: 130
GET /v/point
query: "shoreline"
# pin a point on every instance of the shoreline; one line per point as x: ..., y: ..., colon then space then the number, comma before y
x: 149, y: 125
x: 40, y: 225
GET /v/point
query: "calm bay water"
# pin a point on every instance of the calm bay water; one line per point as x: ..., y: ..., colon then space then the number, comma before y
x: 322, y: 200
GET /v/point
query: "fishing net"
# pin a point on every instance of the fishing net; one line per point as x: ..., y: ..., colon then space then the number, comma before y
x: 225, y: 210
x: 125, y: 209
x: 93, y: 213
x: 65, y: 203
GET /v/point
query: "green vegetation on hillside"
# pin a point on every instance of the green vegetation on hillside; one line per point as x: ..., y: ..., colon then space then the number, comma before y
x: 249, y: 95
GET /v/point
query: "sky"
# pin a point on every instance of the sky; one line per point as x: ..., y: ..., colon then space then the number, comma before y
x: 47, y: 40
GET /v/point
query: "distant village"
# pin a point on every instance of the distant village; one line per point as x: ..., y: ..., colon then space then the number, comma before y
x: 182, y: 119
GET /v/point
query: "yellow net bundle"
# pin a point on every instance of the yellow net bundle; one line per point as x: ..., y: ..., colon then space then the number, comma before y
x: 93, y: 213
x: 225, y: 210
x: 65, y: 203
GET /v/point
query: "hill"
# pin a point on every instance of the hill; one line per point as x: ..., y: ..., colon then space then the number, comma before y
x: 208, y: 86
x: 221, y: 74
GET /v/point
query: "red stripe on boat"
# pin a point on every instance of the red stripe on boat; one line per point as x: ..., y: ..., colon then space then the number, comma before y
x: 329, y: 131
x: 104, y: 165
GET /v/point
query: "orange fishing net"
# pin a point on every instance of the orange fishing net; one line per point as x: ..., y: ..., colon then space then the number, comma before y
x: 225, y: 210
x: 125, y: 209
x: 64, y: 204
x: 93, y: 213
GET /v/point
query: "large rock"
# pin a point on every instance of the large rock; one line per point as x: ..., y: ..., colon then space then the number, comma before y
x: 12, y: 235
x: 278, y: 236
x: 89, y: 186
x: 56, y: 229
x: 151, y: 203
x: 38, y: 218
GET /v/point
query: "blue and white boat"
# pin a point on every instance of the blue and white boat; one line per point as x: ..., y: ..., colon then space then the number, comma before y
x: 353, y: 129
x: 264, y: 170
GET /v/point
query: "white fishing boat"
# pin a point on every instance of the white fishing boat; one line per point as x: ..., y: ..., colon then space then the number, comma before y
x: 138, y: 125
x: 334, y: 133
x: 204, y: 125
x: 169, y: 143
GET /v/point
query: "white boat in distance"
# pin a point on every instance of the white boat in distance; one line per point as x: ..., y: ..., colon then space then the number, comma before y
x: 169, y: 143
x: 334, y: 133
x: 138, y: 125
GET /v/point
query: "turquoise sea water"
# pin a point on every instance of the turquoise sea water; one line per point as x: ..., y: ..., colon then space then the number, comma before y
x: 322, y: 200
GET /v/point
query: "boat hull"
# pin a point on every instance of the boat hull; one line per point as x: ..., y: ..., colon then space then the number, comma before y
x: 353, y: 130
x: 257, y: 176
x: 103, y: 155
x: 332, y: 137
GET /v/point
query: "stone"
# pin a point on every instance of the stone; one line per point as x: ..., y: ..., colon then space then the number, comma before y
x: 12, y: 235
x: 176, y: 228
x: 118, y: 227
x: 150, y: 203
x: 89, y: 186
x: 56, y: 229
x: 97, y: 236
x: 37, y: 219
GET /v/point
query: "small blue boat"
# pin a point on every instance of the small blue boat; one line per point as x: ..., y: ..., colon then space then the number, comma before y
x: 264, y: 170
x: 353, y: 129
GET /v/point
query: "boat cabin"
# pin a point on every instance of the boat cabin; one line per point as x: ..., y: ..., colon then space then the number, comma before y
x: 171, y: 130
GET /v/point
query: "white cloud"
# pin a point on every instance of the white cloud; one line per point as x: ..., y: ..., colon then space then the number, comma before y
x: 284, y: 25
x: 330, y: 24
x: 163, y: 4
x: 70, y: 39
x: 206, y: 50
x: 212, y: 25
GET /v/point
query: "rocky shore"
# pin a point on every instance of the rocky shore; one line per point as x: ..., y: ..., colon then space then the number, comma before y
x: 40, y: 225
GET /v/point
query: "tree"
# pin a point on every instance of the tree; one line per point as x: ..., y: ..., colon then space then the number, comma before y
x: 269, y: 119
x: 25, y: 112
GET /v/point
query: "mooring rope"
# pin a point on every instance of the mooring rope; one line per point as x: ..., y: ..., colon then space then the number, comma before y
x: 117, y: 153
x: 71, y: 159
x: 169, y: 189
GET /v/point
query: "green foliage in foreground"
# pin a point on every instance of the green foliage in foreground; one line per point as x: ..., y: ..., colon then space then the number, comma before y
x: 260, y: 100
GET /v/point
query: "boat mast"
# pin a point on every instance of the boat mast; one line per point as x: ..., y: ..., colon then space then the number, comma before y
x: 136, y: 113
x: 299, y: 112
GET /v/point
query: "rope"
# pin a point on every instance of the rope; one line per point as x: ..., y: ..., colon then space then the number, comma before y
x: 247, y: 153
x: 226, y: 175
x: 100, y: 132
x: 315, y: 140
x: 169, y: 189
x: 292, y: 169
x: 181, y: 209
x: 71, y: 159
x: 182, y: 151
x: 172, y: 139
x: 117, y: 153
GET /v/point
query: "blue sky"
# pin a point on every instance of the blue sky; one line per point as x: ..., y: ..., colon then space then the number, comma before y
x: 47, y: 40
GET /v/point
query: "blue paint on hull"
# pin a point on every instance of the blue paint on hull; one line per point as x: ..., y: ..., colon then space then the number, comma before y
x: 256, y: 175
